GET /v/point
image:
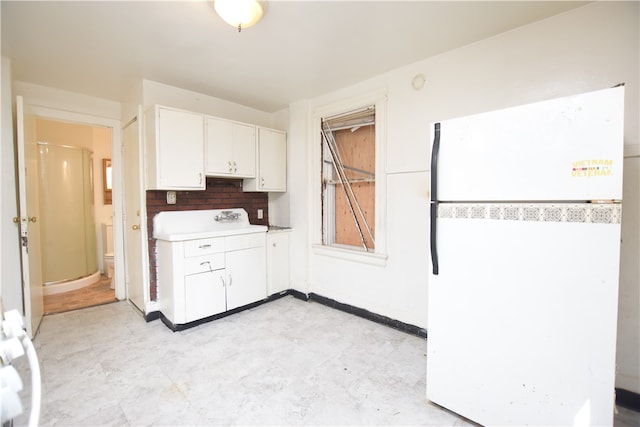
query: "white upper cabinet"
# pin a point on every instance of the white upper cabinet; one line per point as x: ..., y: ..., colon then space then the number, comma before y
x: 271, y: 173
x: 174, y: 148
x: 230, y: 149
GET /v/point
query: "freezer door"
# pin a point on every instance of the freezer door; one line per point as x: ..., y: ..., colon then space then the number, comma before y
x: 522, y: 321
x: 563, y: 149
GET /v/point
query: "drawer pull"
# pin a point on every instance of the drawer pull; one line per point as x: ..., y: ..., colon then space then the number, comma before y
x: 207, y: 246
x: 207, y: 262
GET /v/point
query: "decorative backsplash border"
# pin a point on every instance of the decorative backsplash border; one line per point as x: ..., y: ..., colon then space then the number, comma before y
x: 607, y: 213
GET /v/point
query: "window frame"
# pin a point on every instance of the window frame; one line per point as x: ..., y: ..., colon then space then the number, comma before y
x: 378, y: 256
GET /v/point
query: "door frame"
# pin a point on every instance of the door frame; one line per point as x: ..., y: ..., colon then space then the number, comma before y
x: 142, y: 211
x: 116, y: 163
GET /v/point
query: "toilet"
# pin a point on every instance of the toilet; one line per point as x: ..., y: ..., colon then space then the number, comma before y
x: 107, y: 250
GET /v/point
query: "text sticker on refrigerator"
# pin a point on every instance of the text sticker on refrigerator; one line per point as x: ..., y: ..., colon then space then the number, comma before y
x: 592, y: 168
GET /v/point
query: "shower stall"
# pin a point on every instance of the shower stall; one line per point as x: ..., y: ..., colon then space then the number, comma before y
x: 67, y: 218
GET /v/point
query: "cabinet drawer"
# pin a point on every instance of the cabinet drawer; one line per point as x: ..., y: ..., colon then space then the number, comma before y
x: 203, y: 263
x: 203, y: 247
x: 245, y: 241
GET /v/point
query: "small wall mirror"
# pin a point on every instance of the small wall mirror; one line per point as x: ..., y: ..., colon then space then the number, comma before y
x: 106, y: 181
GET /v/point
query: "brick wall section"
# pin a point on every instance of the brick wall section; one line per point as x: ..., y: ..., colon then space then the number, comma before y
x: 220, y: 193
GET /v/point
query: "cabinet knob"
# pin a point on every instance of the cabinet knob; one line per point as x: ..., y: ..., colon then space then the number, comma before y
x: 32, y: 219
x: 135, y: 227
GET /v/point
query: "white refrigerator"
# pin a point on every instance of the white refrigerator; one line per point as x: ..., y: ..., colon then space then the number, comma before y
x: 525, y: 244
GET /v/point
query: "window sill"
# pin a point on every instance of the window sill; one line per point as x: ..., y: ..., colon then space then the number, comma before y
x: 353, y: 255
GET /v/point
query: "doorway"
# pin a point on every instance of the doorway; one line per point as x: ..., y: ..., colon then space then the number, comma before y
x: 31, y: 266
x: 74, y: 213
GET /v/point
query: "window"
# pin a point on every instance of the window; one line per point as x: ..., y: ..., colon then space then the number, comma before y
x: 348, y: 179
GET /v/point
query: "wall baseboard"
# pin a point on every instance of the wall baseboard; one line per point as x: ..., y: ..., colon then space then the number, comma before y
x: 297, y: 294
x: 151, y: 316
x: 628, y: 399
x: 366, y: 314
x: 360, y: 312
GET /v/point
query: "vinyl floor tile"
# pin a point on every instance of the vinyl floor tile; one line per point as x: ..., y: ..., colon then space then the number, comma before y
x: 285, y: 363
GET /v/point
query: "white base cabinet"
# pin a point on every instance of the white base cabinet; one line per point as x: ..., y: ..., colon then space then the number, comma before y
x: 204, y: 277
x: 278, y: 264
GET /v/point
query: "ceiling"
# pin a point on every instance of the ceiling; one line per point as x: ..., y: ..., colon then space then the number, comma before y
x: 301, y: 49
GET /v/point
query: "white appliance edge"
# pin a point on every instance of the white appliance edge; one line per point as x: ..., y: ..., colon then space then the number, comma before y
x: 522, y: 313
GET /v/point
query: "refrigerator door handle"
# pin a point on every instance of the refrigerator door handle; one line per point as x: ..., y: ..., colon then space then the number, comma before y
x: 434, y: 197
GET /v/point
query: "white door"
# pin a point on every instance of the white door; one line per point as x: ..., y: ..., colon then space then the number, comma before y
x: 29, y: 217
x: 134, y: 241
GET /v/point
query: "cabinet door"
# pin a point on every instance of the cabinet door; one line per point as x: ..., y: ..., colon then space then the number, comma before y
x: 179, y: 147
x: 246, y: 276
x: 272, y: 160
x: 219, y: 147
x: 277, y: 262
x: 271, y: 172
x: 244, y: 150
x: 204, y: 295
x: 230, y: 148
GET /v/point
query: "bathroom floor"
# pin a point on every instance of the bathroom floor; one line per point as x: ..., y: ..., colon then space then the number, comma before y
x: 95, y: 294
x: 286, y: 363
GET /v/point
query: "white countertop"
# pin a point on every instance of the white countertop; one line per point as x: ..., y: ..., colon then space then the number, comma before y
x: 175, y: 237
x: 176, y: 226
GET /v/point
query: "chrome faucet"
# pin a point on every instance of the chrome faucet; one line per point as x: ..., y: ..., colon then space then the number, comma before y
x: 227, y: 216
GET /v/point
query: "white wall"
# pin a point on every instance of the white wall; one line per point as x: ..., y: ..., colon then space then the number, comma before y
x: 628, y: 357
x: 101, y: 150
x: 10, y: 277
x: 101, y: 145
x: 589, y: 48
x: 158, y: 93
x: 62, y: 100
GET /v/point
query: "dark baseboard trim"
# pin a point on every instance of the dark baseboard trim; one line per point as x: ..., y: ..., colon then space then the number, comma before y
x: 366, y: 314
x: 150, y: 317
x: 298, y: 295
x: 360, y: 312
x: 154, y: 315
x: 628, y: 399
x: 183, y: 326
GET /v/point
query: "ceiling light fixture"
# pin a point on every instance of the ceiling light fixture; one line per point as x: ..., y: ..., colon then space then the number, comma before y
x: 240, y: 13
